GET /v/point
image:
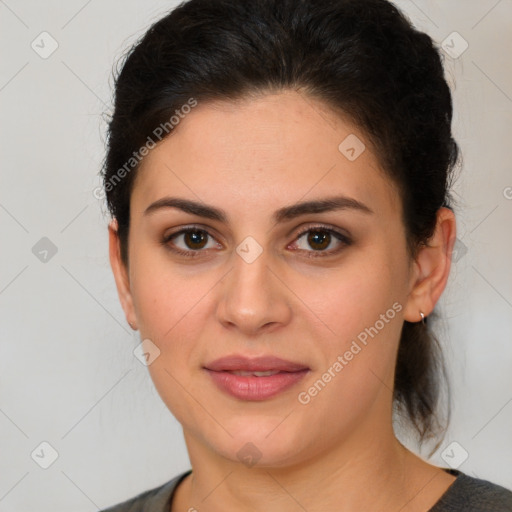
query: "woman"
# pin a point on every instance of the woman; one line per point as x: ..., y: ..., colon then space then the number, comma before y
x: 278, y: 176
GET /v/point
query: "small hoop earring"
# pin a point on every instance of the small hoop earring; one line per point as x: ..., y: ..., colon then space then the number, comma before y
x: 422, y: 318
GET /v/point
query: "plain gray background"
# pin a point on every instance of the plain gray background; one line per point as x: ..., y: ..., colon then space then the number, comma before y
x: 68, y: 376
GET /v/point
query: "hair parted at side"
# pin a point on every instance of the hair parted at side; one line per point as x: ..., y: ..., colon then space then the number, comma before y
x: 362, y: 58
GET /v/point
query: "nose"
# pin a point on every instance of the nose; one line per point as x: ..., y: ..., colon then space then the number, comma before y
x: 252, y: 298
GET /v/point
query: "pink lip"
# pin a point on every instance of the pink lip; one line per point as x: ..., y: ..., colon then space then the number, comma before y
x: 252, y: 387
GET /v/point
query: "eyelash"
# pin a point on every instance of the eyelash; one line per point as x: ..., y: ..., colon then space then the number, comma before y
x: 311, y: 254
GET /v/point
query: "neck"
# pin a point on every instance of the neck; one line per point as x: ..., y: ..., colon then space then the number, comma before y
x: 369, y: 470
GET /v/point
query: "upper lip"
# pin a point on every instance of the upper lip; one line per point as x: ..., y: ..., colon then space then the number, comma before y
x: 254, y: 364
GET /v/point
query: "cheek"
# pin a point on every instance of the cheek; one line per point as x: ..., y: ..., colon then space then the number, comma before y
x: 171, y: 311
x: 360, y: 305
x: 363, y: 312
x: 353, y: 296
x: 164, y: 297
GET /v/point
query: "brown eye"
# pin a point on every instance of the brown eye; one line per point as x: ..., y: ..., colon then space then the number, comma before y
x: 195, y: 239
x: 190, y: 242
x: 321, y: 241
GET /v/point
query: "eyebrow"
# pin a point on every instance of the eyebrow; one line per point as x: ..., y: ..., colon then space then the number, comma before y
x: 283, y: 214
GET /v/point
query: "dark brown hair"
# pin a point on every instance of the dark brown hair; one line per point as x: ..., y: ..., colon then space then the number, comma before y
x: 360, y: 57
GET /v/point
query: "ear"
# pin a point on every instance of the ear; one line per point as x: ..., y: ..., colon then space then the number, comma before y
x: 431, y: 268
x: 121, y: 274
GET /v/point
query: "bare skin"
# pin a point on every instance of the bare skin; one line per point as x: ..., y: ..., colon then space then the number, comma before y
x: 338, y: 451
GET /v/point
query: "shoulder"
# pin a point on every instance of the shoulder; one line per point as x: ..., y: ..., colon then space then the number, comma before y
x: 152, y: 500
x: 470, y: 494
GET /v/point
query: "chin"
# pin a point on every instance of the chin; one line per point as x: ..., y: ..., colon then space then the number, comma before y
x: 264, y: 442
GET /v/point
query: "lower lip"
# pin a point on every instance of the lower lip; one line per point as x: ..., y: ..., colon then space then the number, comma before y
x: 255, y: 388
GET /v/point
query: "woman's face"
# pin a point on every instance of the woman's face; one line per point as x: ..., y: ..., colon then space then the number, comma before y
x: 259, y: 283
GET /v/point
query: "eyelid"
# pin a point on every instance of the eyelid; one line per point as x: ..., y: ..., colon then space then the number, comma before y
x: 190, y: 227
x: 323, y: 227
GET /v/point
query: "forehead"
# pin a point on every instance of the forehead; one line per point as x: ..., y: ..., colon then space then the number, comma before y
x: 271, y: 150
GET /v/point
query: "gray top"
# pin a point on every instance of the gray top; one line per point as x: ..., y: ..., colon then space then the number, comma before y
x: 465, y: 494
